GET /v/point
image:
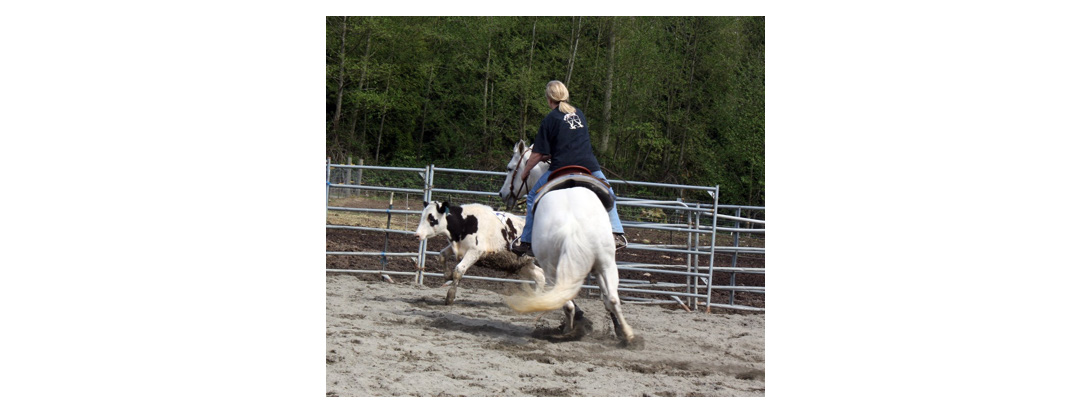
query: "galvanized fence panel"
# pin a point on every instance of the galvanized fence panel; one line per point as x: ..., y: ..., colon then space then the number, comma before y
x: 690, y: 221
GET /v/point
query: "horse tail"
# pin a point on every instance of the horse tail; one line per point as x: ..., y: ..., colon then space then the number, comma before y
x: 570, y: 274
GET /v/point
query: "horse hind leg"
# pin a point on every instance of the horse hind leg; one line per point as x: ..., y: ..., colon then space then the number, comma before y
x: 608, y: 278
x: 574, y: 327
x: 571, y: 310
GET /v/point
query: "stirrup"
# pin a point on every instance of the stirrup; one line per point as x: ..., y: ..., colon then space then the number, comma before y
x: 522, y: 249
x: 620, y: 241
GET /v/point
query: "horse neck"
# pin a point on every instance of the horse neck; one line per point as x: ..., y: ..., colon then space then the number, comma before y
x: 525, y: 160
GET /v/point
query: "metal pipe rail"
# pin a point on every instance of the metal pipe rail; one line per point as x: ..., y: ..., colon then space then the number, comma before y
x: 665, y: 269
x: 661, y: 185
x: 741, y: 230
x: 397, y: 254
x: 373, y: 167
x: 670, y: 272
x: 737, y: 218
x: 374, y: 210
x: 458, y: 191
x: 471, y: 171
x: 746, y: 207
x: 699, y: 250
x: 363, y: 228
x: 378, y: 188
x: 373, y: 272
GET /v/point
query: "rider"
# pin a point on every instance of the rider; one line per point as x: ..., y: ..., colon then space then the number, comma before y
x: 564, y: 138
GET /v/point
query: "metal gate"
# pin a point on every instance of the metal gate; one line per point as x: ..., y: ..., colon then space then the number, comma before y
x: 697, y: 223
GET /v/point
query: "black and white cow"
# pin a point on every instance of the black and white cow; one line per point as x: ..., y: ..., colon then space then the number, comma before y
x: 477, y: 234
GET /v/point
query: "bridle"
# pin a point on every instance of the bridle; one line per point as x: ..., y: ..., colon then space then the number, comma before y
x: 514, y: 175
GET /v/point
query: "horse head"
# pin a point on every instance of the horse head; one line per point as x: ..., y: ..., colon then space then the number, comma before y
x: 513, y: 190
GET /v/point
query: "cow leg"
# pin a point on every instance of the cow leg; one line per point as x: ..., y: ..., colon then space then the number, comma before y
x: 532, y: 271
x: 469, y: 259
x: 443, y: 259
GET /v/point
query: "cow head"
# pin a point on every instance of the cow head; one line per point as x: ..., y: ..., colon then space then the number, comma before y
x: 434, y: 220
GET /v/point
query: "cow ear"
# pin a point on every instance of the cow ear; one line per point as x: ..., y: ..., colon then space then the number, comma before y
x: 445, y: 204
x: 425, y: 204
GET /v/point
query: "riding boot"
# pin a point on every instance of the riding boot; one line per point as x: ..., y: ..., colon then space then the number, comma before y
x: 524, y: 248
x: 620, y: 241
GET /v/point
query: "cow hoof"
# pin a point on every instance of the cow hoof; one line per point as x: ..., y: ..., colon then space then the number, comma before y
x: 451, y: 297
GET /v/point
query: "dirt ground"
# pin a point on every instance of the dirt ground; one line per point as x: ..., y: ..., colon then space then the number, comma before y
x: 399, y: 339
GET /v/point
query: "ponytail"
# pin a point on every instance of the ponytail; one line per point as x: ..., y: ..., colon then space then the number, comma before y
x: 556, y: 91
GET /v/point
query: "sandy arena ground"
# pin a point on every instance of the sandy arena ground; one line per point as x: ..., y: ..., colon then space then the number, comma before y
x: 400, y: 339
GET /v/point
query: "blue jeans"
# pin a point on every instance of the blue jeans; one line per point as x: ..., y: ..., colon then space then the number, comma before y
x: 527, y: 232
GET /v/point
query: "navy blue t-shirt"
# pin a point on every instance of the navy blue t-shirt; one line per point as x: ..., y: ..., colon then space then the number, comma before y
x: 566, y: 138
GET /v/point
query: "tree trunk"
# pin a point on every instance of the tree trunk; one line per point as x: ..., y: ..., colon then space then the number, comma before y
x: 425, y: 107
x: 381, y: 128
x: 606, y: 134
x: 340, y: 84
x: 688, y: 101
x: 485, y: 96
x: 573, y: 52
x: 362, y: 84
x: 529, y: 71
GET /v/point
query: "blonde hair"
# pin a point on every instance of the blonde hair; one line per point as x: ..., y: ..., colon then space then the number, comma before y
x: 556, y: 91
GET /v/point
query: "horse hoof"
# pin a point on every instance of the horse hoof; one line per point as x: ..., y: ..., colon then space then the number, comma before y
x: 636, y: 343
x: 581, y: 328
x: 451, y: 297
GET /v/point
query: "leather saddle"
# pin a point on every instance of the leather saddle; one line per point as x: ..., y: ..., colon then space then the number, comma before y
x: 576, y: 176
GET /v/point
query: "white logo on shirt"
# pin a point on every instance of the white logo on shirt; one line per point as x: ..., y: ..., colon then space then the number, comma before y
x: 573, y: 120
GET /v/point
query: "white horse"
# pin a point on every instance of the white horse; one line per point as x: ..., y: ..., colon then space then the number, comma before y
x: 572, y: 238
x: 513, y: 190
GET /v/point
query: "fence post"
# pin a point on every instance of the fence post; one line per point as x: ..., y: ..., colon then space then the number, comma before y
x: 348, y: 178
x: 358, y: 175
x: 692, y: 284
x: 714, y: 237
x: 427, y: 195
x: 736, y: 244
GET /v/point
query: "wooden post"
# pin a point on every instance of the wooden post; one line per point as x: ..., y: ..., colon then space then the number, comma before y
x: 348, y: 177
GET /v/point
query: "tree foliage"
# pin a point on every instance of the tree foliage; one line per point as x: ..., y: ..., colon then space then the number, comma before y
x: 669, y: 99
